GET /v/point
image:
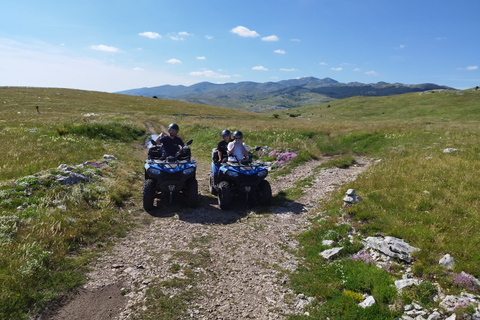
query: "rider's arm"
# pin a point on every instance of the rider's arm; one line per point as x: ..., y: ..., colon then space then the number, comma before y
x: 244, y: 150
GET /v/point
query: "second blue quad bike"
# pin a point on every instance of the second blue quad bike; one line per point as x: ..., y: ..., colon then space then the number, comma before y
x: 166, y: 177
x: 243, y: 178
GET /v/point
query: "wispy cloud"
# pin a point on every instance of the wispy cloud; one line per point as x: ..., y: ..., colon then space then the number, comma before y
x: 400, y: 47
x: 357, y: 70
x: 209, y: 74
x: 178, y: 36
x: 201, y: 58
x: 469, y: 68
x: 323, y: 64
x: 208, y: 37
x: 151, y: 35
x: 288, y: 70
x: 270, y: 38
x: 105, y: 48
x: 371, y: 73
x: 174, y: 61
x: 244, y: 32
x: 337, y: 69
x: 260, y: 68
x: 138, y: 69
x: 295, y: 40
x: 279, y: 51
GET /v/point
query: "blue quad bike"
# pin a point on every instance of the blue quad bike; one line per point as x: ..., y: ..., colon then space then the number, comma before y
x: 241, y: 179
x: 169, y: 176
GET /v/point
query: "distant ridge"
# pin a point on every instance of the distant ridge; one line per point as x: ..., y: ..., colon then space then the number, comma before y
x: 291, y: 93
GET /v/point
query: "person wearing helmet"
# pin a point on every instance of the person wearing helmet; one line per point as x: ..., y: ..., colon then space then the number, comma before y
x: 221, y: 152
x: 237, y: 149
x: 171, y: 143
x: 222, y: 145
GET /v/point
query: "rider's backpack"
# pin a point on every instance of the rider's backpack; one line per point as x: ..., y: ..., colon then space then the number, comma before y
x: 215, y: 155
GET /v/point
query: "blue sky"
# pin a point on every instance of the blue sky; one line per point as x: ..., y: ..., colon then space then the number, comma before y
x: 107, y: 45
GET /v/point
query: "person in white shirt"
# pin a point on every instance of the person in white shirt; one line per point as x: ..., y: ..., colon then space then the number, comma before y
x: 237, y: 149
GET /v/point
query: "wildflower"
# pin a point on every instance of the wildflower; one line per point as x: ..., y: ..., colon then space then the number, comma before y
x: 363, y: 256
x: 464, y: 280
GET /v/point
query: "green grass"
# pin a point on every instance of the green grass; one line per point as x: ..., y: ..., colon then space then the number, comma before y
x: 416, y: 192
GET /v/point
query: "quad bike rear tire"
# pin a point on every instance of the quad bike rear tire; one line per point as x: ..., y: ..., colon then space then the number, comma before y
x: 211, y: 184
x: 224, y: 195
x: 149, y: 194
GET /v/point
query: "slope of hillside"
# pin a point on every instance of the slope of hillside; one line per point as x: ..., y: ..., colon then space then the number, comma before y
x: 277, y: 95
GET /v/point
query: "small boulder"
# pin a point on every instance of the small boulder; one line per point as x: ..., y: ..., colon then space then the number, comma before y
x: 368, y: 302
x: 330, y: 253
x: 447, y: 261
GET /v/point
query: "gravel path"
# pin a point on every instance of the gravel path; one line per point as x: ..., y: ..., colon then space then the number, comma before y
x: 245, y: 255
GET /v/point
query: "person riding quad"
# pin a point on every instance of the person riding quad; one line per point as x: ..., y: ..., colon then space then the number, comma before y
x: 237, y: 149
x: 171, y: 143
x: 221, y: 152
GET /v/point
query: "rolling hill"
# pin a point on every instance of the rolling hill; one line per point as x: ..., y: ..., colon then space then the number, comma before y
x: 260, y: 97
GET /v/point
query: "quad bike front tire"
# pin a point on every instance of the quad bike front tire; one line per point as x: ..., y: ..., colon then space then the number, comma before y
x: 264, y: 193
x: 224, y: 195
x: 192, y: 193
x: 149, y: 194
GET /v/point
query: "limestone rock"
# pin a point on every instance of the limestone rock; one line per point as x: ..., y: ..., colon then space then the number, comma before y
x: 392, y: 247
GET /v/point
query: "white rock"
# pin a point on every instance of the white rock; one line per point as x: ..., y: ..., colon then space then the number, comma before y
x: 369, y: 301
x: 447, y: 261
x: 327, y: 242
x: 450, y: 150
x: 327, y: 254
x: 109, y: 156
x: 434, y: 316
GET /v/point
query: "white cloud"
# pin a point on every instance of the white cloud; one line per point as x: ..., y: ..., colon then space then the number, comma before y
x: 244, y: 32
x: 288, y: 70
x: 400, y: 47
x: 105, y: 48
x: 357, y: 70
x: 270, y: 38
x: 209, y: 74
x: 469, y: 68
x: 260, y: 68
x: 174, y: 61
x: 151, y: 35
x: 179, y: 36
x: 323, y: 64
x: 371, y: 73
x: 295, y: 40
x: 209, y: 37
x: 337, y: 69
x: 201, y: 58
x: 37, y: 64
x: 279, y: 51
x: 138, y: 69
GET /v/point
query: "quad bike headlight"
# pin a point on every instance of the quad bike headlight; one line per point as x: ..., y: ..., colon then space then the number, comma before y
x: 262, y: 173
x: 155, y: 172
x: 232, y: 174
x: 188, y: 171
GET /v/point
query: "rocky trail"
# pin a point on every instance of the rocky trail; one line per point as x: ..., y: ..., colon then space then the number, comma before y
x: 240, y: 258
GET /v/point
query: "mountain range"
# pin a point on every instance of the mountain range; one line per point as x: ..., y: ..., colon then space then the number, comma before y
x: 283, y: 94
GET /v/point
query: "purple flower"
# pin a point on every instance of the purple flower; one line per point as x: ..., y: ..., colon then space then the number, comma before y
x: 363, y: 256
x: 273, y: 152
x: 287, y: 156
x: 464, y: 280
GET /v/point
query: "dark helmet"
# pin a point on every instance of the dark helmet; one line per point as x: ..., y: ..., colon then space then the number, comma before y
x: 173, y: 126
x: 237, y: 134
x: 226, y: 133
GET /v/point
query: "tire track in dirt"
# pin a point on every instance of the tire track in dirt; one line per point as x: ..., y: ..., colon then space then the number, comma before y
x: 249, y: 254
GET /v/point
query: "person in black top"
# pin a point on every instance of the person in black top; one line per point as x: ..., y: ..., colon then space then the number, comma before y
x: 222, y: 153
x: 222, y: 145
x: 171, y: 143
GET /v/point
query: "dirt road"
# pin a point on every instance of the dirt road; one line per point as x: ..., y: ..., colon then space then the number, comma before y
x: 240, y: 258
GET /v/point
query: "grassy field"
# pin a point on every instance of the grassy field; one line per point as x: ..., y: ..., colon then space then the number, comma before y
x: 416, y: 192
